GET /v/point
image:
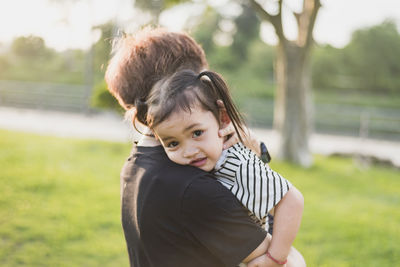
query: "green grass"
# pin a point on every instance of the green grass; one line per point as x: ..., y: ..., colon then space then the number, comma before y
x: 59, y: 202
x: 351, y: 216
x: 59, y: 206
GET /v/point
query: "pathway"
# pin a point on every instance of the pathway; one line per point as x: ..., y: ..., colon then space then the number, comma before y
x: 111, y: 127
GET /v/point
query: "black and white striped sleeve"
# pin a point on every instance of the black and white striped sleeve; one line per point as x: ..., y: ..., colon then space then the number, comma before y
x: 257, y: 187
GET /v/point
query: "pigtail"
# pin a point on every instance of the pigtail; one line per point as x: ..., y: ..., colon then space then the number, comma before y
x: 140, y: 115
x: 221, y: 89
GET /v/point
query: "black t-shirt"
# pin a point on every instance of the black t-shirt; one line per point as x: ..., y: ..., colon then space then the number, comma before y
x: 175, y: 215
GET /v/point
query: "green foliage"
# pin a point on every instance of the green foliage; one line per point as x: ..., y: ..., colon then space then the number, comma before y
x: 247, y: 30
x: 156, y: 5
x: 102, y: 98
x: 368, y: 63
x: 102, y: 50
x: 30, y: 60
x: 60, y: 206
x: 4, y: 64
x: 327, y: 67
x: 249, y: 73
x: 373, y: 54
x: 205, y: 30
x: 31, y: 47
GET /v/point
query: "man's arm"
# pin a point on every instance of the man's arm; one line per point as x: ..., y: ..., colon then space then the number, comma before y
x: 217, y: 220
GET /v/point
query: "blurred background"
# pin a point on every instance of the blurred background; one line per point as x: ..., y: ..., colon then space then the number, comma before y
x: 59, y: 196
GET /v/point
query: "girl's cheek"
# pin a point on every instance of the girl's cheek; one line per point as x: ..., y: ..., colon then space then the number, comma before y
x: 174, y: 156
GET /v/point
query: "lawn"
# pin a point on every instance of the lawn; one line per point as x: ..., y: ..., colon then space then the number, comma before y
x: 59, y: 202
x: 59, y: 206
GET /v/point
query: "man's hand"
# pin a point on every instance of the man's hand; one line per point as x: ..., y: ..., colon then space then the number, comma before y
x: 249, y: 138
x: 231, y: 134
x: 263, y: 261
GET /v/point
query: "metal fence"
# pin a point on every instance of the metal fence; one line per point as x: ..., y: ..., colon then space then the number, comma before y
x: 340, y: 119
x: 52, y: 96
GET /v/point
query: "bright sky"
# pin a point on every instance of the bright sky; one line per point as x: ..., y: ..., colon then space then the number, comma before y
x: 68, y: 25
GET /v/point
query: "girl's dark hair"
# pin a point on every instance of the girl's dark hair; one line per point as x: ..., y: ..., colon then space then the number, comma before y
x: 185, y: 89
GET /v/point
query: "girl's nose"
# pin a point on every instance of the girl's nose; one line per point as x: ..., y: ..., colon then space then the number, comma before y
x: 190, y: 152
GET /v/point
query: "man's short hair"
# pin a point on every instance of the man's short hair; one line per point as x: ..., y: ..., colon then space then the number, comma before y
x: 142, y: 59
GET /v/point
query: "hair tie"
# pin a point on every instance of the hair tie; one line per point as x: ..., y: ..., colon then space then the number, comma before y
x: 202, y: 74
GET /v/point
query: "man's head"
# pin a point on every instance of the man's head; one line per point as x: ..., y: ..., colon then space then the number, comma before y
x: 142, y: 59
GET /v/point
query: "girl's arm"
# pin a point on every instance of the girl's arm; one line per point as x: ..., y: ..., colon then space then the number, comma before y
x: 287, y: 221
x: 288, y: 214
x: 260, y: 189
x: 256, y: 186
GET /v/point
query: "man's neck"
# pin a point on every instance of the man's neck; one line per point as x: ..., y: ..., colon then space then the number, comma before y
x: 148, y: 139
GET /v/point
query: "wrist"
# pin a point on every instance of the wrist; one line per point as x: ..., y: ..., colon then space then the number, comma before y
x: 277, y: 261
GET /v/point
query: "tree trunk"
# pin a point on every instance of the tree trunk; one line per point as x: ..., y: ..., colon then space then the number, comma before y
x: 293, y: 106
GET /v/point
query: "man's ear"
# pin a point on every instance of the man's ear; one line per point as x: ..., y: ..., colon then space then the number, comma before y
x: 155, y: 135
x: 132, y: 114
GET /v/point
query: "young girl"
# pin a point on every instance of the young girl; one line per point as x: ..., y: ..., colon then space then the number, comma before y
x: 184, y: 115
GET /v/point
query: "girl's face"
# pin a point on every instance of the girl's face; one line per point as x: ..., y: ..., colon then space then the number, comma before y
x: 191, y: 138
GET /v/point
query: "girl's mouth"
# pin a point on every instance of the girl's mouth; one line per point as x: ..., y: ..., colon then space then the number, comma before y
x: 198, y: 162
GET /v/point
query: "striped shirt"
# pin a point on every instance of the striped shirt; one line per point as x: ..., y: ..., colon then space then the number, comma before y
x: 256, y: 185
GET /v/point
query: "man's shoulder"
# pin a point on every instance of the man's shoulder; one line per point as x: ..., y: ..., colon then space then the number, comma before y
x: 160, y: 174
x: 154, y: 160
x: 205, y: 192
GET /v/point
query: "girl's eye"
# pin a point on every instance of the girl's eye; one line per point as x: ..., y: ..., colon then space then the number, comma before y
x: 172, y: 144
x: 197, y: 133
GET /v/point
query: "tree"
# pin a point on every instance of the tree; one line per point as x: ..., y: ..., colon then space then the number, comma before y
x: 293, y: 107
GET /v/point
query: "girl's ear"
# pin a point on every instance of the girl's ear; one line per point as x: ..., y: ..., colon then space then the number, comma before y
x: 224, y: 119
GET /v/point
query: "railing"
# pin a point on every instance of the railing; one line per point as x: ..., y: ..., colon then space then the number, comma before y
x: 64, y: 97
x: 363, y: 121
x: 340, y: 119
